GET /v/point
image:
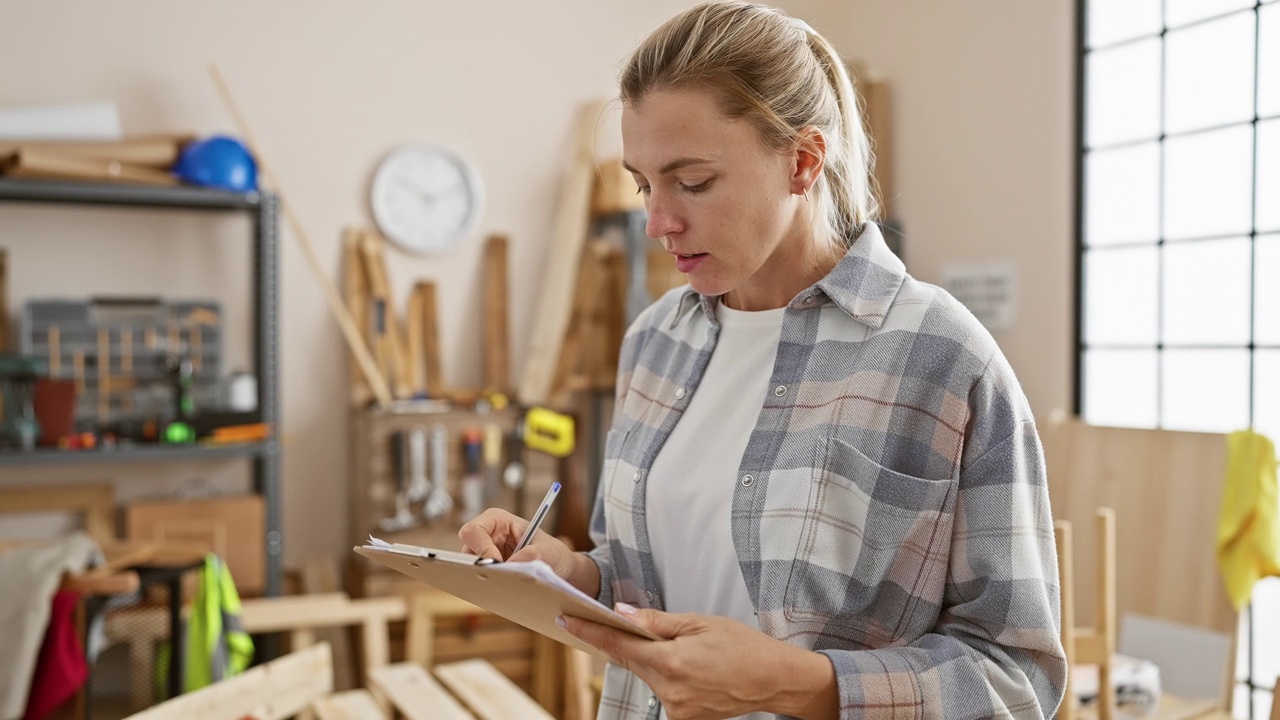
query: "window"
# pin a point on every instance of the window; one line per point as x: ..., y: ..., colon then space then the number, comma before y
x: 1178, y: 239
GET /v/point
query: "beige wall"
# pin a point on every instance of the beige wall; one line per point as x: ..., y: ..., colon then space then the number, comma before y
x: 983, y: 119
x: 984, y: 157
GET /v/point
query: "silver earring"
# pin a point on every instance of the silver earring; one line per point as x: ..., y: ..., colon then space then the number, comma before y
x: 805, y: 192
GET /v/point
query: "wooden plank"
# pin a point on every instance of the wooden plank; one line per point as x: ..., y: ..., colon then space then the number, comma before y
x: 45, y: 164
x: 1062, y: 536
x: 349, y: 705
x: 416, y: 694
x: 591, y: 279
x: 487, y: 692
x: 426, y: 291
x: 279, y: 689
x: 278, y: 614
x: 568, y: 234
x: 94, y: 502
x: 579, y: 701
x: 513, y: 639
x: 496, y: 326
x: 415, y: 337
x: 387, y: 328
x: 158, y: 151
x: 355, y: 291
x: 545, y: 679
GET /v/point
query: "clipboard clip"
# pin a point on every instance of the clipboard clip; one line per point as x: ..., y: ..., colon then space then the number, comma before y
x: 457, y: 558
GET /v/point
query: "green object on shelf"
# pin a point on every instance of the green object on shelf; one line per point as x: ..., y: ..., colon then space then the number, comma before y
x: 178, y: 433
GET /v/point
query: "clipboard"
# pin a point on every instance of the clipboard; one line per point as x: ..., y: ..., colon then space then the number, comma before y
x: 529, y: 594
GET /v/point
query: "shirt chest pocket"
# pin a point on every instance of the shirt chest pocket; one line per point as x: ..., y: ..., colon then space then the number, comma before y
x: 873, y: 549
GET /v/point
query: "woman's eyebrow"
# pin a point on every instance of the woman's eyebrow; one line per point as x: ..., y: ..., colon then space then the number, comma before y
x: 671, y: 166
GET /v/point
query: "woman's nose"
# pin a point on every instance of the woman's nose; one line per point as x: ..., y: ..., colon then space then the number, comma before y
x: 662, y: 221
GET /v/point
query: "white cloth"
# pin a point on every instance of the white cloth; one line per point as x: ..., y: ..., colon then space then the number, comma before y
x: 29, y: 577
x: 691, y: 484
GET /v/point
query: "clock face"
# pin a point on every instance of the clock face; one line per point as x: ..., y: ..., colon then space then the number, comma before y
x: 425, y: 199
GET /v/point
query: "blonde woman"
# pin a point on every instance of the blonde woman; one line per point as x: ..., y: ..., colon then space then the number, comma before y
x: 823, y: 482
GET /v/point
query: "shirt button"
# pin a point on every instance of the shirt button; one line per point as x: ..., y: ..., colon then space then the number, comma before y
x: 636, y: 477
x: 653, y: 700
x: 679, y: 393
x: 780, y: 390
x: 808, y: 299
x: 648, y: 595
x: 748, y: 480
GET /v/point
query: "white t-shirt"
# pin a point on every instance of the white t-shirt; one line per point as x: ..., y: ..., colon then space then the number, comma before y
x: 691, y: 484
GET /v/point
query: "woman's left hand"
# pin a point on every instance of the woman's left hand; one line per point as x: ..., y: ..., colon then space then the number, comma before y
x: 713, y: 667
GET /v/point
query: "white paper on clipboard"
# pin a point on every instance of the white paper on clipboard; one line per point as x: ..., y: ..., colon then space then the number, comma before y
x: 527, y: 593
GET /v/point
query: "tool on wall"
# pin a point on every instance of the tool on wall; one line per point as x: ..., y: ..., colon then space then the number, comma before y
x: 492, y: 455
x: 513, y: 476
x: 419, y: 486
x: 472, y: 492
x: 439, y: 502
x: 497, y: 360
x: 403, y: 518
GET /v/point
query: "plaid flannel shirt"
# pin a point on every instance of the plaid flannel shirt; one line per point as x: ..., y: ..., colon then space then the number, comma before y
x: 891, y: 510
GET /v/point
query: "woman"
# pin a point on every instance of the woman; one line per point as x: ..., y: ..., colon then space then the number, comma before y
x: 823, y: 483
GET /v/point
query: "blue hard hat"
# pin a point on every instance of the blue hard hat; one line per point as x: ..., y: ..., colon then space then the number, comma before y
x: 220, y: 162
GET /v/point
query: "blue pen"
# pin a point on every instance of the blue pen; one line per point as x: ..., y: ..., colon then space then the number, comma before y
x: 538, y: 517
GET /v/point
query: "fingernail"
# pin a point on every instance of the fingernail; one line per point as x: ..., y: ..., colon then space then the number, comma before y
x: 560, y: 621
x: 625, y: 609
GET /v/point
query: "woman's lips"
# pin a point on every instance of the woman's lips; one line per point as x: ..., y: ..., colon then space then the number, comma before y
x: 686, y: 263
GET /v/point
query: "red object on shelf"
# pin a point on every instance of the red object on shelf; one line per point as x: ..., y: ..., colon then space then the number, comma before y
x: 55, y: 406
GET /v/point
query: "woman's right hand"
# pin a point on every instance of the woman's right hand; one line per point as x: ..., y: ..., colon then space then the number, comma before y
x: 495, y: 533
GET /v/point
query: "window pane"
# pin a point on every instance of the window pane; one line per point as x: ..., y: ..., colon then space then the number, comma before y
x: 1269, y: 61
x: 1268, y: 207
x: 1206, y: 292
x: 1120, y: 387
x: 1261, y: 703
x: 1266, y: 393
x: 1122, y: 201
x: 1266, y: 293
x: 1205, y: 390
x: 1181, y: 12
x: 1266, y: 623
x: 1208, y: 179
x: 1209, y: 74
x: 1124, y: 94
x: 1120, y: 296
x: 1113, y: 20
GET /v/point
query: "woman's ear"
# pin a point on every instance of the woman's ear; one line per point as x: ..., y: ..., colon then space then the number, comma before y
x: 810, y: 156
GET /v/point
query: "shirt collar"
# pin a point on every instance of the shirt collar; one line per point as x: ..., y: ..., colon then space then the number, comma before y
x: 863, y: 284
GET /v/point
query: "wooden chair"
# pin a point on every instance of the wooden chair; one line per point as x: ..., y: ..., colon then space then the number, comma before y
x: 1095, y: 645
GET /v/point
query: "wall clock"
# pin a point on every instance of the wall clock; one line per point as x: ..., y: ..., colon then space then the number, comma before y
x: 425, y: 198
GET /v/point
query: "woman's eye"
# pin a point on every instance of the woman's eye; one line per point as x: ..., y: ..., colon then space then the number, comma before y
x: 696, y: 188
x: 642, y: 190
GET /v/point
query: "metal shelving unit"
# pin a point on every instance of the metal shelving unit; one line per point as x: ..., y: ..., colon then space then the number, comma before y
x: 264, y: 208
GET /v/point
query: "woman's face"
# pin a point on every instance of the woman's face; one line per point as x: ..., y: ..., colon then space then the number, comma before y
x: 720, y: 201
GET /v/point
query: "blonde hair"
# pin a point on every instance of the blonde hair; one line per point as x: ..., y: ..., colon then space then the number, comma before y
x: 781, y: 76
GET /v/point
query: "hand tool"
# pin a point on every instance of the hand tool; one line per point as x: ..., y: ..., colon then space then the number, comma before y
x: 419, y: 486
x: 403, y: 518
x: 473, y: 500
x: 439, y: 502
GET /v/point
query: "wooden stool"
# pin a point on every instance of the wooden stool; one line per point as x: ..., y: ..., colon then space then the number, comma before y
x: 1097, y: 645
